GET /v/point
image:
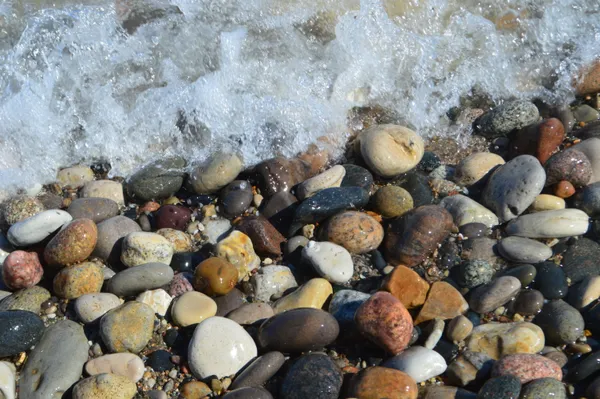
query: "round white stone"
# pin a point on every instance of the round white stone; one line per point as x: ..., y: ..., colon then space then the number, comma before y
x: 418, y: 362
x: 219, y: 347
x: 37, y: 228
x: 272, y: 281
x: 331, y: 261
x: 159, y: 300
x: 465, y: 210
x: 550, y: 224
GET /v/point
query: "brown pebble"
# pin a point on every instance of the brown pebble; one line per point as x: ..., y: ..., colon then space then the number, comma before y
x: 551, y: 135
x: 443, y: 302
x: 72, y: 244
x: 264, y: 236
x: 571, y: 165
x: 382, y: 382
x: 588, y: 79
x: 358, y: 232
x: 215, y: 276
x: 406, y: 285
x: 564, y: 189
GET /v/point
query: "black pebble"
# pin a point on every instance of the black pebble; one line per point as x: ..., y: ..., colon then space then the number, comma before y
x: 186, y: 261
x: 429, y: 162
x: 160, y: 360
x: 504, y: 387
x: 170, y: 337
x: 551, y: 281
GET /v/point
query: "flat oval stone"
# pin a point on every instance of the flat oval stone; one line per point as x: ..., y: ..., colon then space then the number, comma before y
x: 21, y: 269
x: 584, y: 293
x: 19, y: 331
x: 37, y: 228
x: 547, y: 202
x: 358, y: 232
x: 236, y: 198
x: 474, y: 168
x: 96, y: 209
x: 237, y: 248
x: 499, y: 339
x: 570, y: 165
x: 550, y: 224
x: 139, y: 279
x: 29, y: 299
x: 140, y: 248
x: 219, y: 347
x: 248, y: 393
x: 418, y: 362
x: 527, y: 367
x: 551, y: 281
x: 312, y: 294
x: 324, y: 375
x: 525, y: 273
x: 158, y: 179
x: 505, y: 118
x: 495, y: 294
x: 298, y: 330
x: 110, y: 235
x: 104, y: 189
x: 128, y: 327
x: 251, y: 313
x: 443, y: 302
x: 266, y: 239
x: 215, y: 276
x: 544, y: 388
x: 384, y: 320
x: 73, y: 244
x: 415, y: 235
x: 523, y: 250
x: 331, y: 261
x: 77, y: 280
x: 528, y: 303
x: 104, y: 386
x: 55, y: 363
x: 344, y: 304
x: 464, y: 210
x: 504, y: 387
x: 562, y: 324
x: 392, y: 201
x: 330, y: 178
x: 383, y: 382
x: 91, y: 307
x: 259, y: 371
x: 215, y: 173
x: 580, y: 261
x: 271, y: 282
x: 191, y: 308
x: 406, y: 285
x: 357, y: 176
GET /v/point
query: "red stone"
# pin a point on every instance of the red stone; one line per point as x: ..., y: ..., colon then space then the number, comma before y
x: 564, y: 189
x: 180, y: 284
x: 384, y: 320
x: 551, y: 134
x: 266, y: 239
x: 527, y: 367
x: 173, y: 217
x: 22, y: 270
x: 588, y: 79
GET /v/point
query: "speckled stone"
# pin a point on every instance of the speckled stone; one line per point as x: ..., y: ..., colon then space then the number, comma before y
x: 312, y: 294
x: 570, y: 165
x: 505, y: 118
x: 104, y: 386
x: 384, y: 320
x: 443, y: 302
x: 499, y: 339
x: 324, y: 375
x: 73, y: 244
x: 504, y: 387
x: 406, y: 285
x: 29, y: 299
x: 544, y: 388
x: 138, y: 279
x: 527, y: 367
x: 91, y: 307
x: 181, y: 283
x: 215, y: 173
x: 580, y: 261
x: 77, y: 280
x: 104, y: 189
x: 392, y: 201
x: 21, y: 270
x: 110, y: 236
x: 474, y: 273
x: 20, y: 208
x: 158, y: 179
x: 358, y: 232
x: 270, y: 282
x: 237, y: 248
x: 265, y: 238
x: 19, y: 331
x: 127, y: 328
x: 561, y: 323
x: 95, y: 209
x: 139, y: 248
x: 383, y: 382
x: 495, y: 294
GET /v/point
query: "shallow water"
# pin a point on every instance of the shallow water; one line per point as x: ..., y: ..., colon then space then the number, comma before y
x: 262, y: 77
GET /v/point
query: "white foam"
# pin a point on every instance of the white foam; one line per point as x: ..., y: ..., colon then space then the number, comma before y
x: 75, y: 87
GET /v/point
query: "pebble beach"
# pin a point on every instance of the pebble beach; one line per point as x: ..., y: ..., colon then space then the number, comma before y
x: 404, y: 268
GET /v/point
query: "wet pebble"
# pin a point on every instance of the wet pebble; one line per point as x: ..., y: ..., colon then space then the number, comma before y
x: 383, y: 382
x: 344, y: 304
x: 527, y: 367
x: 392, y: 201
x: 505, y: 118
x: 418, y: 362
x: 324, y: 375
x: 551, y: 281
x: 550, y: 224
x: 547, y: 202
x: 584, y: 293
x: 215, y: 276
x: 495, y: 294
x: 312, y: 294
x: 159, y: 179
x: 504, y: 387
x: 330, y: 178
x: 476, y: 167
x: 357, y: 176
x: 37, y: 228
x: 331, y: 261
x: 528, y: 303
x: 227, y: 303
x: 265, y: 238
x: 474, y: 273
x: 469, y: 367
x: 523, y: 250
x: 238, y: 250
x: 358, y: 232
x: 580, y: 260
x: 104, y: 386
x: 562, y: 323
x: 186, y: 261
x: 570, y: 165
x: 406, y: 285
x: 110, y: 235
x: 271, y: 282
x: 586, y: 368
x: 543, y: 388
x: 464, y: 210
x: 19, y: 331
x: 236, y: 198
x: 251, y: 313
x: 499, y: 339
x: 160, y: 360
x: 443, y: 302
x: 459, y: 328
x: 191, y: 308
x: 525, y: 273
x: 215, y: 173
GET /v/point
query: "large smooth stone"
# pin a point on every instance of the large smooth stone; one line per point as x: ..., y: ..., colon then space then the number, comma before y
x: 281, y: 174
x: 331, y: 261
x: 324, y: 375
x: 464, y: 210
x: 37, y: 228
x: 384, y: 320
x: 406, y: 285
x: 215, y: 173
x: 525, y: 273
x: 123, y: 364
x: 443, y: 302
x: 272, y: 281
x: 358, y: 232
x: 219, y: 347
x: 140, y: 248
x: 110, y: 235
x: 279, y: 210
x: 505, y: 118
x: 580, y: 261
x: 499, y: 339
x: 495, y: 294
x: 418, y: 362
x: 551, y: 281
x: 236, y: 198
x: 523, y: 250
x: 357, y: 176
x: 96, y: 209
x: 238, y: 250
x: 550, y: 224
x: 215, y: 276
x: 474, y: 168
x: 544, y: 388
x: 29, y: 299
x: 528, y: 303
x: 383, y: 382
x: 330, y: 178
x: 562, y: 324
x: 173, y: 217
x: 77, y: 280
x: 19, y: 331
x: 158, y: 179
x: 56, y: 362
x: 139, y: 279
x: 527, y: 367
x: 104, y: 189
x: 390, y: 150
x: 392, y: 201
x: 74, y: 243
x: 416, y: 234
x: 298, y: 330
x: 344, y: 304
x: 514, y: 186
x: 191, y: 308
x: 105, y: 386
x: 127, y: 328
x: 91, y: 307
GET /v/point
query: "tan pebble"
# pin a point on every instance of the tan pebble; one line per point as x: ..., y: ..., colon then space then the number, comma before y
x: 104, y: 189
x: 180, y: 241
x: 75, y: 176
x: 104, y: 386
x: 475, y: 167
x: 237, y: 248
x: 459, y: 328
x: 330, y: 178
x: 124, y: 364
x: 312, y: 294
x: 191, y: 308
x: 547, y: 202
x: 499, y: 339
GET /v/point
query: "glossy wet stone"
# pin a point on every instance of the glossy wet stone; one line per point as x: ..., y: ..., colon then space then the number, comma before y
x: 584, y: 293
x: 358, y: 232
x: 499, y: 339
x: 73, y: 244
x: 324, y: 375
x: 550, y: 224
x: 523, y: 250
x: 215, y: 276
x: 357, y: 176
x: 562, y: 323
x: 279, y: 209
x: 173, y: 217
x: 19, y: 331
x: 473, y: 230
x: 186, y: 261
x: 570, y: 165
x: 465, y: 210
x: 414, y: 236
x: 159, y: 179
x: 264, y: 236
x: 551, y: 133
x: 96, y: 209
x: 344, y: 304
x: 392, y: 201
x: 21, y: 269
x: 236, y: 197
x: 281, y: 174
x: 383, y: 382
x: 527, y: 367
x: 580, y: 261
x: 544, y: 388
x: 141, y: 278
x: 588, y: 199
x: 504, y: 387
x: 443, y: 302
x: 331, y: 177
x: 551, y: 281
x: 469, y: 367
x: 525, y: 273
x: 528, y: 303
x: 298, y: 330
x: 495, y: 294
x: 406, y: 285
x: 417, y: 184
x: 259, y: 371
x: 459, y: 328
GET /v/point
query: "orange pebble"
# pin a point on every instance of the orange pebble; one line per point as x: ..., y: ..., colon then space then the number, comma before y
x: 564, y: 189
x: 149, y: 206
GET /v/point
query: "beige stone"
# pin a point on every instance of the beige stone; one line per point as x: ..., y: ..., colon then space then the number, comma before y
x: 313, y: 294
x: 125, y: 364
x: 330, y: 178
x: 75, y: 176
x: 104, y: 189
x: 499, y: 339
x: 140, y: 247
x: 474, y: 167
x: 585, y: 292
x: 238, y: 250
x: 218, y: 171
x: 103, y: 386
x: 181, y: 241
x: 547, y: 202
x: 191, y: 308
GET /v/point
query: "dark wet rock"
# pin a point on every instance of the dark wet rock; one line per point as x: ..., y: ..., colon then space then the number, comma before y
x: 236, y: 198
x: 357, y: 176
x: 265, y: 238
x: 588, y: 199
x: 504, y: 387
x: 279, y: 209
x: 580, y: 261
x: 159, y: 179
x: 173, y: 217
x: 505, y: 118
x: 259, y: 371
x: 96, y: 209
x: 417, y: 184
x: 544, y: 388
x: 474, y: 230
x: 324, y: 376
x: 562, y: 324
x: 551, y: 281
x: 186, y: 261
x: 429, y: 162
x: 281, y: 174
x: 160, y: 360
x: 19, y: 331
x: 528, y: 303
x: 590, y: 365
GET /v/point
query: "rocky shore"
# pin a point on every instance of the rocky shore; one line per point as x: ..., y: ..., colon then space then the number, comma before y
x: 405, y: 269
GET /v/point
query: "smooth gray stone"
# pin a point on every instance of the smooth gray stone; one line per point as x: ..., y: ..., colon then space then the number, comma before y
x: 495, y: 294
x: 513, y: 187
x: 110, y: 235
x: 523, y: 250
x: 562, y: 324
x: 588, y: 199
x: 550, y: 224
x: 159, y: 179
x: 56, y: 362
x: 248, y: 393
x: 259, y: 371
x: 505, y: 118
x: 140, y: 278
x: 96, y: 209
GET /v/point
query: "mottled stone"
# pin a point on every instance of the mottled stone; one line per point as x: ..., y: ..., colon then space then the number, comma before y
x: 312, y: 294
x: 96, y: 209
x: 140, y: 278
x: 29, y: 299
x: 19, y: 331
x: 418, y: 362
x: 104, y: 189
x: 504, y: 387
x: 21, y: 207
x: 415, y: 235
x: 580, y: 261
x: 180, y: 241
x: 443, y: 302
x: 358, y: 232
x: 523, y: 250
x: 127, y: 328
x: 91, y: 307
x: 195, y: 389
x: 192, y: 308
x: 495, y: 294
x: 73, y: 244
x: 271, y: 282
x: 476, y: 167
x: 238, y: 250
x: 173, y: 217
x: 110, y: 236
x: 104, y: 386
x: 139, y: 248
x: 550, y: 224
x: 215, y: 276
x: 158, y: 179
x: 259, y: 371
x: 562, y: 324
x: 464, y: 210
x: 281, y: 174
x: 406, y: 285
x: 215, y: 173
x: 570, y: 165
x: 181, y: 283
x: 499, y: 339
x: 505, y: 118
x: 74, y: 176
x: 324, y: 375
x: 392, y: 201
x: 527, y: 367
x: 331, y: 261
x: 383, y: 382
x: 21, y: 270
x: 384, y: 320
x: 37, y: 228
x: 544, y: 388
x: 265, y: 238
x: 77, y: 280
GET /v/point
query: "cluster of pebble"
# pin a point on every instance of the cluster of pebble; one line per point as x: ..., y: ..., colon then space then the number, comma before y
x: 393, y: 275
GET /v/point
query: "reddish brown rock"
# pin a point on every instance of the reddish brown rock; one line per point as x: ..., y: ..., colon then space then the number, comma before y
x: 281, y: 174
x: 73, y: 244
x: 150, y: 206
x: 384, y: 320
x: 77, y: 280
x: 264, y: 236
x: 406, y: 285
x: 551, y: 134
x: 173, y: 217
x: 382, y: 382
x: 415, y: 235
x: 588, y: 79
x: 215, y: 276
x: 527, y: 367
x: 571, y: 165
x: 22, y: 270
x: 443, y: 302
x: 564, y: 189
x: 358, y: 232
x: 180, y: 284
